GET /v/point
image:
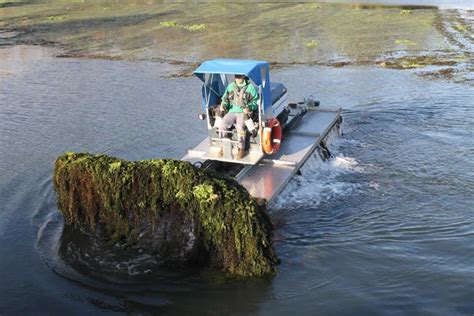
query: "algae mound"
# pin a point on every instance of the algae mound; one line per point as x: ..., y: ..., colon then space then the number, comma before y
x: 183, y: 214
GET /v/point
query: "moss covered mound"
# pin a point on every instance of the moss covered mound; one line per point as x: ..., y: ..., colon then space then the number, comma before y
x: 184, y: 214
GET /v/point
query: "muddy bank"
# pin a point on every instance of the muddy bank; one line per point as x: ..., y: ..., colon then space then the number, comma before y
x: 282, y: 33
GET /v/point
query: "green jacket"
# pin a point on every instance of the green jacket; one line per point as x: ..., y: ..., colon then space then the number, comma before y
x: 234, y: 104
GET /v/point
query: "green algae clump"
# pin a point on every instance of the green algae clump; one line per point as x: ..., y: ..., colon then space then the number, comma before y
x: 195, y: 27
x: 169, y: 24
x: 170, y: 207
x: 191, y: 28
x: 54, y: 18
x: 311, y: 44
x: 404, y: 42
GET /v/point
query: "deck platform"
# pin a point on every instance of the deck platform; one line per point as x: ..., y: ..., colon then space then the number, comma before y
x: 204, y: 151
x: 266, y: 179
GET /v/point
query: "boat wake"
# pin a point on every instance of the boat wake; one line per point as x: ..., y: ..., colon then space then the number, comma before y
x: 320, y: 180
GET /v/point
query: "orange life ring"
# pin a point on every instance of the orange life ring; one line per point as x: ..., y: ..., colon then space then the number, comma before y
x: 272, y: 136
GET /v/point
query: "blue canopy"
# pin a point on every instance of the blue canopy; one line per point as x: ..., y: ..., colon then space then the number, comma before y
x: 257, y: 71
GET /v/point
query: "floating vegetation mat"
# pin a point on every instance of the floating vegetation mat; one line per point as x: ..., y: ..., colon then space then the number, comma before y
x: 182, y: 214
x: 281, y: 32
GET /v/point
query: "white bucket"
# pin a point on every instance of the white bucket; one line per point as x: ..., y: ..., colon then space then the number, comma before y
x: 217, y: 122
x: 250, y: 125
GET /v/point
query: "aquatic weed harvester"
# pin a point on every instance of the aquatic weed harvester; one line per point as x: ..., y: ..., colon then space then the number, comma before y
x: 280, y: 135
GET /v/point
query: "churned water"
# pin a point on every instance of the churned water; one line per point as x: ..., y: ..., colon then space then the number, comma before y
x: 386, y: 226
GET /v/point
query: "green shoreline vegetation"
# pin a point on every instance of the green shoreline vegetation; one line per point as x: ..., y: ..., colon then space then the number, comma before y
x: 158, y: 204
x: 284, y: 33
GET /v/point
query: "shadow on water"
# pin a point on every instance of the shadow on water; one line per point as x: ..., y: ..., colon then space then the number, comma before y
x: 118, y: 263
x: 128, y: 280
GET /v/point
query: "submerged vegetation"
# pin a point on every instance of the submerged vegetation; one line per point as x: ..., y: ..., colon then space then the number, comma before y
x: 184, y: 214
x: 311, y: 44
x: 283, y: 33
x: 56, y: 18
x: 280, y: 32
x: 192, y: 28
x: 405, y: 42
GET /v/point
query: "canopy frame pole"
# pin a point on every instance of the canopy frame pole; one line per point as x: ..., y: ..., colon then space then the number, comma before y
x: 260, y: 115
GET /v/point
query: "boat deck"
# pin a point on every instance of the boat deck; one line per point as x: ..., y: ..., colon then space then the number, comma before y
x: 205, y: 151
x: 267, y: 179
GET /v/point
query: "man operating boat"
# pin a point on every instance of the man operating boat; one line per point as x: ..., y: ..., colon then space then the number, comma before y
x: 238, y: 102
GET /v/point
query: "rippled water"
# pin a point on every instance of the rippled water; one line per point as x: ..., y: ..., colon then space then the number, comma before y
x: 384, y: 227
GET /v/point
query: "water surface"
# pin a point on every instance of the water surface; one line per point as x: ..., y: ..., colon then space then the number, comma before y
x: 385, y: 227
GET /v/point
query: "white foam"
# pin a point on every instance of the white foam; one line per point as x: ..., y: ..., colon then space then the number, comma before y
x: 319, y: 181
x: 343, y: 163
